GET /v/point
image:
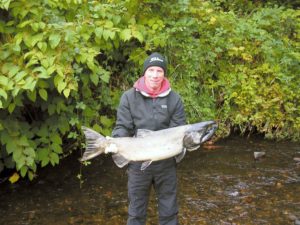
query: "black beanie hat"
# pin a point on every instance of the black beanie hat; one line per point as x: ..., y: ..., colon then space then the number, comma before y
x: 155, y: 59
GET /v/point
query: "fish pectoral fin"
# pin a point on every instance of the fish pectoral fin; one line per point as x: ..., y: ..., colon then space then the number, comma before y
x: 180, y: 156
x: 146, y: 164
x: 120, y: 160
x: 143, y: 132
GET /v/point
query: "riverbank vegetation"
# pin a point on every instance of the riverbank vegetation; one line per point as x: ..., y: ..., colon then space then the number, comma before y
x: 65, y: 63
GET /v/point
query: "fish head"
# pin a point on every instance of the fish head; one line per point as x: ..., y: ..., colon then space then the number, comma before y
x: 198, y: 133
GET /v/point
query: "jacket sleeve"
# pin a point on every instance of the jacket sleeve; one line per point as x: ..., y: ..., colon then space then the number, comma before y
x: 124, y: 124
x: 178, y: 114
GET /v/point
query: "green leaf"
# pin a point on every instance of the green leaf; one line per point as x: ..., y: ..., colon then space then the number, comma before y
x: 23, y: 171
x: 29, y: 152
x: 3, y: 94
x: 15, y: 91
x: 109, y: 24
x: 23, y: 141
x: 51, y: 69
x: 58, y: 78
x: 31, y: 95
x: 30, y: 83
x: 43, y: 72
x: 106, y: 34
x: 18, y: 153
x: 13, y: 70
x: 106, y: 121
x: 73, y: 135
x: 54, y: 159
x: 42, y: 46
x: 94, y: 78
x: 45, y: 162
x: 25, y: 23
x: 55, y: 138
x: 3, y: 80
x: 64, y: 126
x: 56, y: 148
x: 91, y: 64
x: 125, y: 34
x: 11, y: 146
x: 16, y: 48
x: 42, y: 25
x: 11, y: 107
x: 20, y: 76
x: 36, y: 38
x: 51, y: 109
x: 138, y: 35
x: 66, y: 92
x: 80, y: 105
x: 43, y: 131
x: 73, y: 121
x: 31, y: 175
x: 5, y: 137
x: 43, y: 153
x: 20, y: 162
x: 43, y: 93
x: 99, y: 32
x: 33, y: 167
x: 5, y: 4
x: 61, y: 86
x: 54, y: 40
x: 105, y: 77
x: 35, y: 27
x: 18, y: 38
x: 29, y: 161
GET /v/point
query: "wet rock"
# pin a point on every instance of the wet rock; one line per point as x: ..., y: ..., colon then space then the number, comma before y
x: 292, y: 217
x: 233, y: 194
x: 279, y: 185
x: 248, y: 199
x: 258, y: 155
x: 297, y: 159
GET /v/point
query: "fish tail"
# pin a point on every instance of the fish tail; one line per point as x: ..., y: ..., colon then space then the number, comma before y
x: 94, y: 143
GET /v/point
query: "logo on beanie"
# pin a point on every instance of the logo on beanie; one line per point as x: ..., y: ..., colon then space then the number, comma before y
x: 156, y: 59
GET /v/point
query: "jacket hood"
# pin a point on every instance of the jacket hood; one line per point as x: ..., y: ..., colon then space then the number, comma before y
x: 164, y: 90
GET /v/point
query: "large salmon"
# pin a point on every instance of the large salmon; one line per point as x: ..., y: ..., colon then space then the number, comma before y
x: 148, y: 145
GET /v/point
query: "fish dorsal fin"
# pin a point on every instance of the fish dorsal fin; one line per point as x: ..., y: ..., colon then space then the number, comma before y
x: 146, y: 164
x: 180, y: 156
x: 143, y: 132
x: 120, y: 160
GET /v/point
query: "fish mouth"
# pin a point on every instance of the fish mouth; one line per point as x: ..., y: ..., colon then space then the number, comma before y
x: 198, y: 134
x: 211, y: 129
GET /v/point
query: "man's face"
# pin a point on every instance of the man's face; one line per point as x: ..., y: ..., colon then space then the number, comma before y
x: 154, y: 77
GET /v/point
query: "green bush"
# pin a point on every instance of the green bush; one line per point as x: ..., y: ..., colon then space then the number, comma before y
x: 65, y: 64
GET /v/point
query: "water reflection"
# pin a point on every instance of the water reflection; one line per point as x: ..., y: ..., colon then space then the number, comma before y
x: 216, y: 186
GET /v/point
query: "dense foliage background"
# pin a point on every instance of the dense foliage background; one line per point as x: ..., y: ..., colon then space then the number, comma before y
x: 65, y: 63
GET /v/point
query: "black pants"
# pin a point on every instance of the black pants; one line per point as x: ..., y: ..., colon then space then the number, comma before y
x: 162, y: 175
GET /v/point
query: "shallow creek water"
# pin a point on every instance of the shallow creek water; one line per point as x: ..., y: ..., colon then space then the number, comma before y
x: 223, y: 185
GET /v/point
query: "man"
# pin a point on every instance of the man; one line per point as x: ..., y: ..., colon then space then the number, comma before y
x: 152, y: 105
